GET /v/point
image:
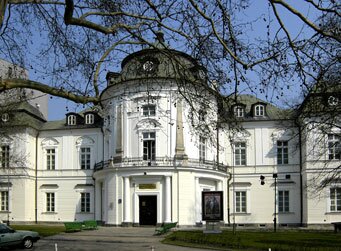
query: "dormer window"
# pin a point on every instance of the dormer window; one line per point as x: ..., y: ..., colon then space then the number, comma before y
x: 238, y: 111
x: 5, y: 117
x: 71, y: 120
x: 259, y: 111
x: 148, y: 110
x: 89, y: 119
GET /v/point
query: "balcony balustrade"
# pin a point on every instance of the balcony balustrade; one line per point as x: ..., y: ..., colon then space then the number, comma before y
x: 160, y: 162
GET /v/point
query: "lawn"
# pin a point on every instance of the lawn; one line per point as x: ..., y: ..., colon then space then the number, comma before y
x: 43, y: 230
x: 290, y: 240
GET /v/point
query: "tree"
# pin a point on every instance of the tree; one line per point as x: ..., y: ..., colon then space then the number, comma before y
x: 71, y: 44
x: 86, y: 37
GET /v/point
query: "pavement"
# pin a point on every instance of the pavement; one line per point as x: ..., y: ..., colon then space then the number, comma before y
x: 108, y: 238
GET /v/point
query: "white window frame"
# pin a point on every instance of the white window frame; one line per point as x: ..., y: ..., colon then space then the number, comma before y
x: 6, y: 204
x: 202, y: 149
x: 334, y: 146
x: 238, y: 203
x: 87, y: 202
x: 148, y: 138
x: 49, y: 156
x: 334, y: 202
x: 47, y: 144
x: 85, y: 142
x: 89, y: 119
x: 259, y: 110
x: 247, y: 190
x: 240, y: 149
x: 7, y: 158
x: 71, y: 119
x: 238, y: 111
x: 48, y: 208
x: 87, y: 157
x: 147, y: 112
x: 282, y: 200
x: 282, y: 147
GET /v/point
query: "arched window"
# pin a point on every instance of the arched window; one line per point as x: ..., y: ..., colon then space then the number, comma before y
x: 259, y: 110
x: 71, y: 120
x: 89, y: 119
x: 238, y: 111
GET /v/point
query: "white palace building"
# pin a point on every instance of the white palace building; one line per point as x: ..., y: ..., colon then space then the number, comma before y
x: 146, y: 156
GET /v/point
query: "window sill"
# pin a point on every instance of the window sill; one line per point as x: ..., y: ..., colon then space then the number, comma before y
x: 84, y: 212
x: 5, y: 212
x: 49, y: 213
x: 284, y: 213
x: 333, y: 212
x: 241, y: 214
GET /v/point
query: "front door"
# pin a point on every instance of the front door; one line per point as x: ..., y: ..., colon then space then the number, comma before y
x: 148, y: 208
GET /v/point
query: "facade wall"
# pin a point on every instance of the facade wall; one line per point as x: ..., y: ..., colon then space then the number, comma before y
x: 123, y: 179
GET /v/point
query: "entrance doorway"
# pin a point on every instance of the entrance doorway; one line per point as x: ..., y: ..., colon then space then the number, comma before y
x: 148, y: 209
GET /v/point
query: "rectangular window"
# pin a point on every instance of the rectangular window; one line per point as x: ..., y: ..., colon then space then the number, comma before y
x: 85, y: 202
x: 334, y: 147
x: 335, y: 199
x: 282, y: 152
x: 283, y: 201
x: 51, y: 159
x: 4, y: 200
x: 4, y: 156
x: 240, y: 153
x: 149, y: 146
x: 85, y: 157
x: 202, y: 149
x: 148, y: 110
x: 241, y: 202
x: 50, y: 202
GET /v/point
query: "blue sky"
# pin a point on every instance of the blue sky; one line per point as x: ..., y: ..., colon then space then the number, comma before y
x: 58, y: 107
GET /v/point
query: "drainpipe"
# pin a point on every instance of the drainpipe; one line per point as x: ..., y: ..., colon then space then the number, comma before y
x: 36, y: 183
x: 301, y: 176
x: 228, y: 200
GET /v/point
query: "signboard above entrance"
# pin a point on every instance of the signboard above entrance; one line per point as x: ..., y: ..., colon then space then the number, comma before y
x: 147, y: 186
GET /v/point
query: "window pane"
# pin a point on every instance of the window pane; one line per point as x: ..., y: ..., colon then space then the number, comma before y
x: 85, y: 158
x: 241, y: 202
x: 240, y: 153
x: 282, y: 152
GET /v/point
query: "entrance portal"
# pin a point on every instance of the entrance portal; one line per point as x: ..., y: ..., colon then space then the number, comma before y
x: 148, y: 209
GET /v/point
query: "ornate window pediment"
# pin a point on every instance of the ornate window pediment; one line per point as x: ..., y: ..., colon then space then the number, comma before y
x: 49, y: 142
x: 148, y: 123
x: 241, y: 136
x: 85, y: 140
x: 6, y: 140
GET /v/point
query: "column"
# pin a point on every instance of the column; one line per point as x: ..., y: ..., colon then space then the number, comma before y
x: 126, y: 200
x: 197, y: 201
x: 168, y: 199
x: 219, y: 185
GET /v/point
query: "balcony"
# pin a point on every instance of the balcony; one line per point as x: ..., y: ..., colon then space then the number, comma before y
x: 159, y: 162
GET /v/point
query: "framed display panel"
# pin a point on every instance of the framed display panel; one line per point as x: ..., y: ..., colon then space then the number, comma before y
x: 212, y: 206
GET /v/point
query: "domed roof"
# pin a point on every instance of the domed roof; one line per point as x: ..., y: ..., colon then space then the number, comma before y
x: 157, y: 61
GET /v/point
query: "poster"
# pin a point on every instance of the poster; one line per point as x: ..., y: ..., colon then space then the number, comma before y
x: 212, y: 206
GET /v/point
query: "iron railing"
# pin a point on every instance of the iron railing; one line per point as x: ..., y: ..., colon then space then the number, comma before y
x: 159, y: 162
